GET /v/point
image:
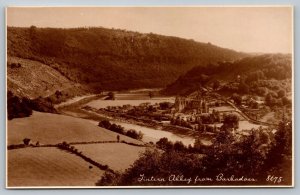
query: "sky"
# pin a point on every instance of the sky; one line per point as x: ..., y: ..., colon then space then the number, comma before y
x: 246, y: 29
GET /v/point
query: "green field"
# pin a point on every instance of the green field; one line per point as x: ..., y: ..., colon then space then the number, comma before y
x: 48, y: 167
x: 118, y: 156
x: 54, y: 128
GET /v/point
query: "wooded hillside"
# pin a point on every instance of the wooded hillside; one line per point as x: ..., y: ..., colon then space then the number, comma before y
x: 113, y: 59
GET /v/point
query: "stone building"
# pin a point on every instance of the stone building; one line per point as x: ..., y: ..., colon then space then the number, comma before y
x: 184, y: 104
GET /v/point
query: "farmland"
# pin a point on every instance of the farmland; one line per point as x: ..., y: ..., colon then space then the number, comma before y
x: 118, y: 156
x: 49, y: 128
x: 120, y: 102
x: 49, y: 167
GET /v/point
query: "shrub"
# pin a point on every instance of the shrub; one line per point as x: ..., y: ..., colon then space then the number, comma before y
x: 134, y: 134
x: 18, y: 107
x: 26, y: 141
x: 105, y: 124
x: 119, y: 129
x: 164, y: 144
x: 252, y: 156
x: 231, y: 121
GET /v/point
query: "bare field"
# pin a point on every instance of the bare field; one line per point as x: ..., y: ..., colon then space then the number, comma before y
x: 54, y: 128
x: 34, y: 79
x: 118, y: 156
x: 132, y: 98
x: 49, y: 167
x: 120, y: 102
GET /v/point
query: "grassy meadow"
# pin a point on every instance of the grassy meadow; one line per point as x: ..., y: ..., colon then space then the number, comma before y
x: 49, y: 167
x: 49, y: 128
x: 118, y: 156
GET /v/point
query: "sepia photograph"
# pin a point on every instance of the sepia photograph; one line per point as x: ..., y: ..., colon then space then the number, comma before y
x: 150, y: 97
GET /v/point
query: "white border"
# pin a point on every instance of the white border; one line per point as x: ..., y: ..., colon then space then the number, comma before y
x: 161, y: 187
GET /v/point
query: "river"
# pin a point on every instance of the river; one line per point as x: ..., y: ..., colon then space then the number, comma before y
x: 153, y: 135
x: 134, y: 99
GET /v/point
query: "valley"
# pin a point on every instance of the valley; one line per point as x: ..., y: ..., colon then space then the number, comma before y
x: 83, y: 115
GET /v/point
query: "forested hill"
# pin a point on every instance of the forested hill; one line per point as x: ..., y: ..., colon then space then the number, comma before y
x: 259, y: 75
x: 113, y: 59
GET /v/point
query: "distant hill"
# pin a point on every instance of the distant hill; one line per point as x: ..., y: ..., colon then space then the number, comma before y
x: 110, y: 59
x: 258, y: 74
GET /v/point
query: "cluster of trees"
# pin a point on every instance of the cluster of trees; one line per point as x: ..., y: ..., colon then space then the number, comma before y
x: 257, y: 75
x: 15, y: 65
x: 167, y: 145
x: 211, y: 118
x: 277, y: 99
x: 134, y: 134
x: 237, y: 99
x: 180, y: 122
x: 18, y: 107
x: 165, y: 105
x: 230, y: 121
x: 272, y: 98
x: 111, y: 96
x: 253, y: 156
x: 43, y: 105
x: 63, y: 95
x: 202, y: 128
x: 119, y: 129
x: 149, y: 111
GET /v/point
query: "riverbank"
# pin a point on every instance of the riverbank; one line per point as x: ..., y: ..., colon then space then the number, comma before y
x: 73, y: 106
x: 183, y: 131
x: 152, y: 132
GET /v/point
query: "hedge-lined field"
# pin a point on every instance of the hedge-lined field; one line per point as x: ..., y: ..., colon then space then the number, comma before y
x: 118, y: 156
x: 49, y: 128
x: 49, y: 167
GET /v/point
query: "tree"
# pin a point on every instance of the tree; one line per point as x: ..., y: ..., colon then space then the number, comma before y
x: 237, y: 99
x: 216, y: 84
x: 134, y: 134
x: 223, y: 137
x: 111, y: 96
x: 270, y: 99
x: 105, y: 124
x: 140, y: 135
x: 231, y: 121
x: 164, y: 144
x: 229, y: 155
x: 280, y: 93
x: 198, y: 144
x: 117, y: 128
x: 254, y: 105
x: 58, y: 94
x: 279, y: 158
x: 178, y: 146
x: 283, y: 137
x: 286, y: 101
x: 260, y: 90
x: 109, y: 179
x: 18, y: 107
x: 33, y: 33
x: 165, y: 105
x: 26, y: 141
x: 151, y: 94
x: 243, y: 88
